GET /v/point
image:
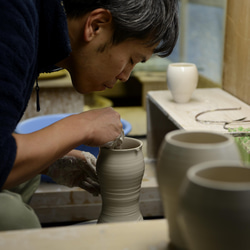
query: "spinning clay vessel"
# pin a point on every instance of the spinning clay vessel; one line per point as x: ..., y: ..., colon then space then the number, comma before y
x: 120, y: 173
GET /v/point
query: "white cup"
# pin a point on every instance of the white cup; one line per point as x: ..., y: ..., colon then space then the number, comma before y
x: 182, y: 80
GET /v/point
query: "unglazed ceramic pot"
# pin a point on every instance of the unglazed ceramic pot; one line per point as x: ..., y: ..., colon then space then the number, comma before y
x: 215, y: 206
x: 120, y: 173
x: 178, y: 152
x: 182, y: 80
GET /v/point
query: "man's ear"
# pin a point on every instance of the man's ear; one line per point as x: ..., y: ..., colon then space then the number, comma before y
x: 96, y: 20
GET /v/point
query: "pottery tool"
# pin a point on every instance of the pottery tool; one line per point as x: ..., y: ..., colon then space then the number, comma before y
x: 242, y: 139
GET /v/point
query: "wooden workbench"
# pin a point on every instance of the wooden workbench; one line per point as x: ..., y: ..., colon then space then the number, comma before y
x: 144, y: 235
x: 164, y: 115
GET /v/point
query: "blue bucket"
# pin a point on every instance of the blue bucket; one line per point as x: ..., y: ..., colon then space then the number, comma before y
x: 39, y: 122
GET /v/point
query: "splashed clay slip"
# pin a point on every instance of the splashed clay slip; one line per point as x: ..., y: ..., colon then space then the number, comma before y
x: 120, y: 173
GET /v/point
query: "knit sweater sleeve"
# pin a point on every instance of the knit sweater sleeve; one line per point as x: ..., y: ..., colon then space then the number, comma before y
x: 18, y: 42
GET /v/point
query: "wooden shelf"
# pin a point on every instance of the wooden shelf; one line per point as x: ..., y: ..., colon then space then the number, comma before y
x: 164, y: 115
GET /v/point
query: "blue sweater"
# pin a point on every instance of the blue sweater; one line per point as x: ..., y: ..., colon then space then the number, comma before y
x: 33, y: 38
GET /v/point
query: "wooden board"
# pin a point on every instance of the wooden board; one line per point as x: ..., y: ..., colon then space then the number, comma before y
x: 183, y: 115
x: 236, y: 72
x: 164, y: 115
x: 151, y: 234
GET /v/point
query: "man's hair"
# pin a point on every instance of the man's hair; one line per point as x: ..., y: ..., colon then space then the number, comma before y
x: 152, y: 20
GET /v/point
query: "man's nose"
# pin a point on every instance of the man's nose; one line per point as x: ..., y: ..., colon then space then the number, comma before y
x: 124, y: 76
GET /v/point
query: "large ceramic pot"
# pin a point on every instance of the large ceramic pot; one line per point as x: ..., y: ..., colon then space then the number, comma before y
x: 179, y: 151
x: 215, y: 206
x: 120, y: 173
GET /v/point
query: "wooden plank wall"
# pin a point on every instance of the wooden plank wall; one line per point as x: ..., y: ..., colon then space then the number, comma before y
x: 236, y: 70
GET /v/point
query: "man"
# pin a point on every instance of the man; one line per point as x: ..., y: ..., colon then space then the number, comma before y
x: 98, y: 42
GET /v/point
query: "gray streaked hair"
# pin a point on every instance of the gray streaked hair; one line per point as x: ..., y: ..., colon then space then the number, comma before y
x: 153, y: 20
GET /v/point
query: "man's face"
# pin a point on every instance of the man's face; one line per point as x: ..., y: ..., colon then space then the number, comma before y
x: 96, y: 64
x: 99, y: 66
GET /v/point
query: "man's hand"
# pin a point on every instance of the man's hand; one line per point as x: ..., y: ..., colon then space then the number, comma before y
x: 76, y: 172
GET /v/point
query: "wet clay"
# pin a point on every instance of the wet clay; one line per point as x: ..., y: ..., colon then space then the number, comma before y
x: 120, y: 172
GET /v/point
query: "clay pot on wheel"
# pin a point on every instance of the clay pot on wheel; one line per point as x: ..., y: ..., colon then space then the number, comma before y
x: 120, y: 173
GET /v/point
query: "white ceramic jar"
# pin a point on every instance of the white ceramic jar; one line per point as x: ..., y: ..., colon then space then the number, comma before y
x: 215, y: 206
x: 182, y: 80
x: 120, y: 173
x: 179, y: 151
